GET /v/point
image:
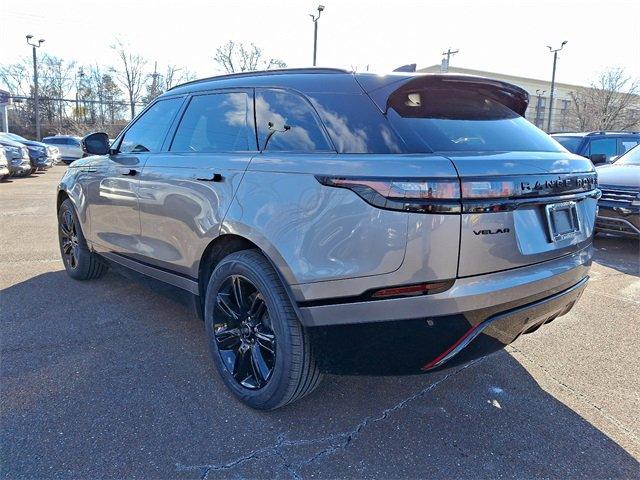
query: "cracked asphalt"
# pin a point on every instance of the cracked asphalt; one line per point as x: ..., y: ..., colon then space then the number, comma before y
x: 108, y: 379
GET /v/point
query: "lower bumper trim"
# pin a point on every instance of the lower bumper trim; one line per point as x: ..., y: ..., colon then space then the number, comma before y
x: 507, y: 326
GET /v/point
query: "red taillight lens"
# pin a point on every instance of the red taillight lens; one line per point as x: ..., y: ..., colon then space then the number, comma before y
x: 414, y: 195
x: 413, y: 290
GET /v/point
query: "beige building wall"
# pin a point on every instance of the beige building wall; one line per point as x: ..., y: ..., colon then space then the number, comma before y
x: 539, y: 90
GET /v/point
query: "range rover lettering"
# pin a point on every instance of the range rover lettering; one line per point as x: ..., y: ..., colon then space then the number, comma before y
x: 296, y: 205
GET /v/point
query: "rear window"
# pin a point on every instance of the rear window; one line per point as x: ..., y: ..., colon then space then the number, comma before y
x: 570, y: 143
x: 450, y: 119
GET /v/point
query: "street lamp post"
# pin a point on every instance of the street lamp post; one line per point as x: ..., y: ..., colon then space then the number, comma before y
x: 36, y: 96
x: 315, y: 31
x: 553, y: 81
x: 539, y: 93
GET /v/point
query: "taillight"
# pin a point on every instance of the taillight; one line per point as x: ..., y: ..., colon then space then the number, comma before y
x: 413, y: 290
x: 423, y: 195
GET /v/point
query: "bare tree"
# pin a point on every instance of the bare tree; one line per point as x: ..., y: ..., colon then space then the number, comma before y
x: 612, y: 102
x: 237, y: 57
x: 131, y: 75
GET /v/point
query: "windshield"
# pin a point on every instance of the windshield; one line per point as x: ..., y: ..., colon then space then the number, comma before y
x: 632, y: 157
x: 570, y: 143
x: 450, y: 119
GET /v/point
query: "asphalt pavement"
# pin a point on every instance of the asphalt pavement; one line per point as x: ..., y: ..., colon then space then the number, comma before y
x: 108, y: 379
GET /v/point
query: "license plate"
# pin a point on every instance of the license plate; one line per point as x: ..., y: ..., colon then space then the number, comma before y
x: 563, y: 221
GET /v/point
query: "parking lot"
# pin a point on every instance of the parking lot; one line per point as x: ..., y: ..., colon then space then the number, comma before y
x: 110, y: 379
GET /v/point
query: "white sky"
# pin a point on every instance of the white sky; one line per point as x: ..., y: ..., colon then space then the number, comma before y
x: 500, y: 36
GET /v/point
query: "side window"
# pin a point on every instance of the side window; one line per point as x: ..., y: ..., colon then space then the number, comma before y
x: 287, y: 122
x: 608, y: 146
x: 147, y: 133
x: 356, y: 125
x: 627, y: 144
x: 220, y: 122
x: 52, y: 141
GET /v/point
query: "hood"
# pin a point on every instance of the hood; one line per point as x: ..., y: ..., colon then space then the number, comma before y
x: 10, y: 143
x: 619, y: 176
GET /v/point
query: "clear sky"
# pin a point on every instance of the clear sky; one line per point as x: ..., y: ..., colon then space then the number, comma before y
x: 500, y: 36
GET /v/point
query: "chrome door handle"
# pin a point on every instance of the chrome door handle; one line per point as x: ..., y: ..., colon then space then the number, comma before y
x: 215, y: 178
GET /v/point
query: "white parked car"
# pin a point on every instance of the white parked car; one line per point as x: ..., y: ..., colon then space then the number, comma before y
x: 68, y: 145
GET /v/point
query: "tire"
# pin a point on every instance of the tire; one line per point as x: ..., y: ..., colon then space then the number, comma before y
x: 276, y: 380
x: 79, y: 262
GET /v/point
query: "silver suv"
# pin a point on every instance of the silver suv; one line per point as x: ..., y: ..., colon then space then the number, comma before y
x: 312, y: 213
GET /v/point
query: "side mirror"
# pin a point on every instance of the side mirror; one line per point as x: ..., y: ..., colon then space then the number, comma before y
x: 95, y: 143
x: 598, y: 158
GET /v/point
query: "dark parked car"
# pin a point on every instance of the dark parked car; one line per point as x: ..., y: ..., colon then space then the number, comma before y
x: 599, y: 147
x: 619, y: 207
x: 295, y: 205
x: 40, y: 154
x: 18, y: 157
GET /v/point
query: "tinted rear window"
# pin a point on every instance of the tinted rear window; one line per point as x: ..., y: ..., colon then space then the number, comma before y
x: 570, y: 143
x: 355, y: 125
x: 462, y: 120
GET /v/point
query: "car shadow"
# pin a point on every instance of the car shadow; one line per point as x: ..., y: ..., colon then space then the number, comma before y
x: 108, y: 376
x: 620, y: 253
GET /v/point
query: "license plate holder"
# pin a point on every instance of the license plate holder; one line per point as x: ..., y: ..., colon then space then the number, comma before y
x: 563, y: 220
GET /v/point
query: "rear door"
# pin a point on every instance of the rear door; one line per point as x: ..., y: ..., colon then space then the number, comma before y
x: 525, y: 199
x: 186, y: 189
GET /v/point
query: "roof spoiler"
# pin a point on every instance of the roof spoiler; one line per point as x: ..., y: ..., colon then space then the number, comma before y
x: 380, y: 89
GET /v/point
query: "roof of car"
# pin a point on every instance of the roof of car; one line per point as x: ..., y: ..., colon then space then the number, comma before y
x: 585, y: 134
x: 335, y: 80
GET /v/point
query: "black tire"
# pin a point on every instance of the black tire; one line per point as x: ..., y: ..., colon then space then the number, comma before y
x: 293, y: 372
x: 79, y: 262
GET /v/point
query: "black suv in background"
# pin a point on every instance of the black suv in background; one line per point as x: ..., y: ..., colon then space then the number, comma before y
x: 599, y: 147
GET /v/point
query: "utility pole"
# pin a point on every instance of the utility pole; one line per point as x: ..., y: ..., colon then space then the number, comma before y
x: 539, y: 93
x: 35, y: 82
x: 553, y: 81
x: 444, y: 67
x: 315, y: 31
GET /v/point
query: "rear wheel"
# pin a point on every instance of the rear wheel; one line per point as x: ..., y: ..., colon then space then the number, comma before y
x: 79, y: 262
x: 257, y: 343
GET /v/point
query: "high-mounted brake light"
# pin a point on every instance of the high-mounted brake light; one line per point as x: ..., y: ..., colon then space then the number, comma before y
x: 422, y: 195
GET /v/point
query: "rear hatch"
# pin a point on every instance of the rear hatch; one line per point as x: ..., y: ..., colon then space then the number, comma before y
x: 525, y: 199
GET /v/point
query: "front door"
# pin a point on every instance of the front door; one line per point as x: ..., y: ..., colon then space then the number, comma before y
x: 113, y: 190
x: 185, y: 191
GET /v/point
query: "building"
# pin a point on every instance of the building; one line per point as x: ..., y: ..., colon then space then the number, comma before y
x: 539, y: 90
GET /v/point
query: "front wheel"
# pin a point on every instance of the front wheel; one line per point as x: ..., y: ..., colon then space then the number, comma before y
x: 79, y: 262
x: 258, y: 345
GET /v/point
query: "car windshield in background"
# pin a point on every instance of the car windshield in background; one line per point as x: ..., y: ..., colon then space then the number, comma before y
x: 570, y: 143
x: 462, y: 120
x: 632, y: 157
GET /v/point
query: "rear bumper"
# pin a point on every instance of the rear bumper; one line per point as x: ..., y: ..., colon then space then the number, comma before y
x: 421, y: 345
x: 489, y: 294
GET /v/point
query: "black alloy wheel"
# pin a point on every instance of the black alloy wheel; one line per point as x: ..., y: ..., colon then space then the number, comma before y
x: 69, y: 239
x: 244, y: 333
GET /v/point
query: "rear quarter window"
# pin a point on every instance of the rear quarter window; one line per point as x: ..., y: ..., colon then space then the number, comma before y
x: 355, y: 125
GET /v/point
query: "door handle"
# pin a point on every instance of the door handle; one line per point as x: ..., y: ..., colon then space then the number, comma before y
x: 131, y: 172
x: 215, y: 178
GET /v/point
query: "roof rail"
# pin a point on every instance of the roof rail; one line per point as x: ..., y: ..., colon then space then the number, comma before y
x: 604, y: 132
x: 258, y: 73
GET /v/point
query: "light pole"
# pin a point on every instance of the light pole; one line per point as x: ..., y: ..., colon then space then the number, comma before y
x: 445, y: 62
x: 539, y: 120
x: 315, y: 31
x: 553, y: 81
x: 35, y: 82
